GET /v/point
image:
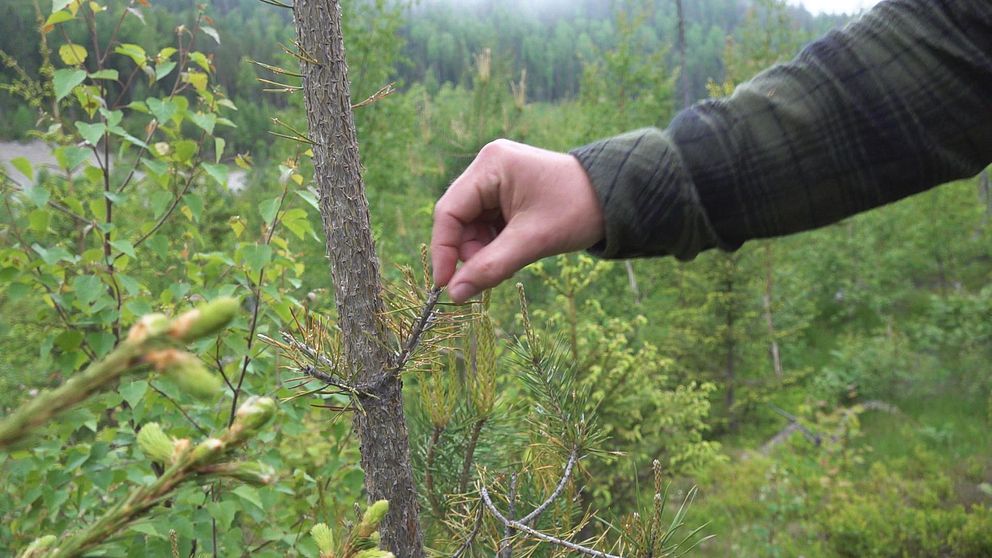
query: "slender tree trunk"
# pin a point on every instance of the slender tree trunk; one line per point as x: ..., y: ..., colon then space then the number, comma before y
x: 683, y: 77
x: 985, y: 193
x: 767, y: 306
x: 380, y: 425
x: 632, y: 280
x: 730, y: 345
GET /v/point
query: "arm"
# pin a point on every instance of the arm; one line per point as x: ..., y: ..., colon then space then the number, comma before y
x: 893, y: 104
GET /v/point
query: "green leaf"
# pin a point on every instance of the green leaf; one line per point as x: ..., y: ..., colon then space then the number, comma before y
x: 207, y: 121
x: 92, y: 133
x: 268, y: 209
x: 159, y: 200
x: 38, y: 195
x: 105, y: 74
x: 310, y: 198
x: 23, y: 166
x: 118, y: 131
x: 52, y: 255
x: 219, y: 144
x: 65, y: 80
x: 148, y: 528
x: 113, y: 117
x: 197, y: 79
x: 124, y: 246
x: 156, y: 167
x: 161, y: 110
x: 211, y: 32
x: 72, y: 54
x: 130, y: 284
x: 133, y: 392
x: 227, y: 103
x: 257, y: 256
x: 200, y: 59
x: 134, y: 52
x: 297, y: 222
x: 249, y: 494
x: 69, y: 340
x: 195, y: 204
x: 38, y: 220
x: 59, y: 4
x: 58, y: 17
x: 71, y: 156
x: 223, y: 512
x: 164, y: 69
x: 87, y: 288
x: 101, y: 341
x: 185, y: 149
x: 114, y: 197
x: 217, y: 172
x: 159, y: 245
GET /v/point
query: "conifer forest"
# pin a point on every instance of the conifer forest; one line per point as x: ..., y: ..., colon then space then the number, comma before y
x: 220, y: 336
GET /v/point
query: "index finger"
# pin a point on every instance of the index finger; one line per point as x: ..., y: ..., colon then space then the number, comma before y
x: 465, y: 201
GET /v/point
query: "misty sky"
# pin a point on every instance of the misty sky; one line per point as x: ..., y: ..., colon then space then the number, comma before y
x: 835, y: 6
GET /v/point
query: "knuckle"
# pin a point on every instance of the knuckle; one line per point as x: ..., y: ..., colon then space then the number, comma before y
x: 494, y: 149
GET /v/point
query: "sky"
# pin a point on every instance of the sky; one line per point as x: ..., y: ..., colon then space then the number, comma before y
x: 835, y: 6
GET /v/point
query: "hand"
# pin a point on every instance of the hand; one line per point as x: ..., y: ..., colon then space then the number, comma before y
x: 512, y: 206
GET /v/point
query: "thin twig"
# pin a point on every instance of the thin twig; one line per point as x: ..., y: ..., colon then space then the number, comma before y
x: 533, y: 516
x: 195, y: 424
x: 422, y: 325
x: 537, y: 534
x: 471, y: 536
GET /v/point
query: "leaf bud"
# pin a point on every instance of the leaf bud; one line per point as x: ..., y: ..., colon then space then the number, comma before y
x: 150, y: 325
x: 249, y: 472
x: 251, y: 416
x: 324, y: 537
x: 189, y: 373
x: 39, y: 547
x: 205, y: 320
x: 207, y: 451
x: 373, y: 515
x: 155, y: 443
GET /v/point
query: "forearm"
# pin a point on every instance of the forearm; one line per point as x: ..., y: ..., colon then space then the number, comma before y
x: 893, y: 104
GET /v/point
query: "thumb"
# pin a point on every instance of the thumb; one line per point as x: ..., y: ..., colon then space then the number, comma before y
x: 497, y: 261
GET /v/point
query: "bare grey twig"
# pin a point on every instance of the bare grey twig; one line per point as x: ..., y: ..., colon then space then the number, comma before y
x: 533, y: 516
x: 537, y: 534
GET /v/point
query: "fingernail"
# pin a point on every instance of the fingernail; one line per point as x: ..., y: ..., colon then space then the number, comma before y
x: 462, y: 291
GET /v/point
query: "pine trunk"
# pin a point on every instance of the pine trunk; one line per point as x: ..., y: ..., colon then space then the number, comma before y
x: 381, y: 426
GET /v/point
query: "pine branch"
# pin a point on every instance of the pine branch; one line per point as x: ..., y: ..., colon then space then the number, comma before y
x: 533, y: 516
x: 537, y: 534
x: 422, y: 325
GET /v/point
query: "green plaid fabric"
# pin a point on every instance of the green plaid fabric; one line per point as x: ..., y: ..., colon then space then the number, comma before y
x: 895, y: 103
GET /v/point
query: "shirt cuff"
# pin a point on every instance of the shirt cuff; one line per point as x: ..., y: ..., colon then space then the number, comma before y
x: 650, y: 204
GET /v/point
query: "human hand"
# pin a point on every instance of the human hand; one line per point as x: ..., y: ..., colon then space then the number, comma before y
x: 512, y: 206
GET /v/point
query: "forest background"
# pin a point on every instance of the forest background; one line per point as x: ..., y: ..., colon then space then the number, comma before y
x: 828, y: 393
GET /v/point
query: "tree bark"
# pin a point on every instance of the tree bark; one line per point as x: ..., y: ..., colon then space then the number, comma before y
x: 381, y: 425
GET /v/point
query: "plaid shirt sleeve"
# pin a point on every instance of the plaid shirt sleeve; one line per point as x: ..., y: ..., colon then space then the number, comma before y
x: 895, y: 103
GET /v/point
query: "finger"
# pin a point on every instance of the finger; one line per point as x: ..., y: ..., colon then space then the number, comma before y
x: 445, y: 243
x: 468, y: 199
x: 497, y: 261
